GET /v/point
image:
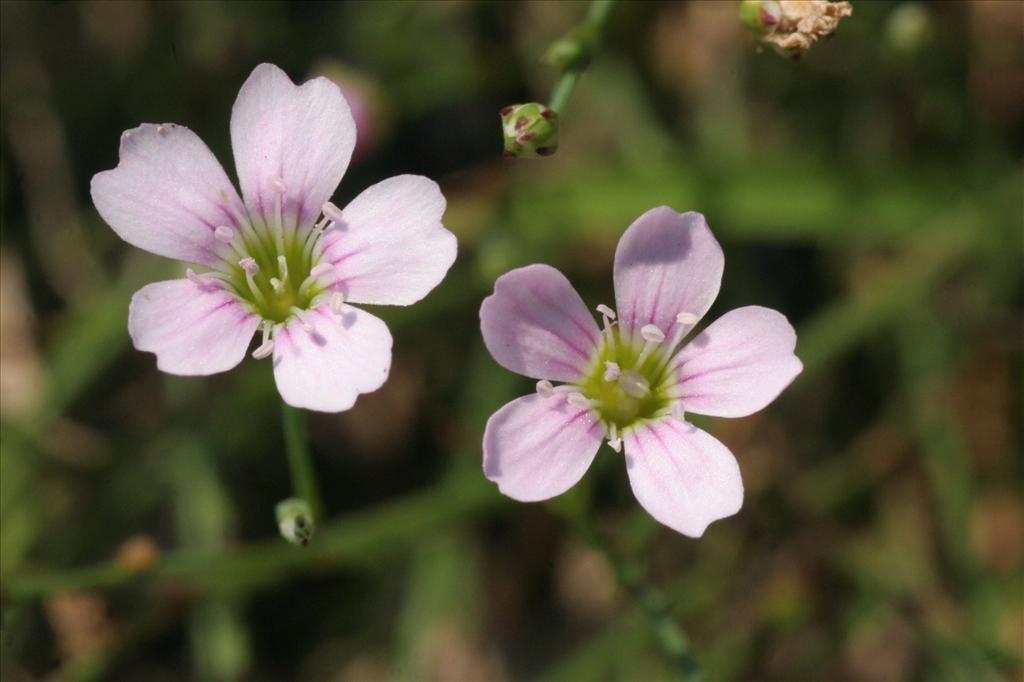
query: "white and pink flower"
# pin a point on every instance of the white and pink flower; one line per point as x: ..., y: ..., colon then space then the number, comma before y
x: 274, y: 265
x: 630, y: 382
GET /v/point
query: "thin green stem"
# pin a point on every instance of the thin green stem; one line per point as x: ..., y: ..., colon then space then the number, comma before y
x: 300, y: 461
x: 652, y: 602
x: 586, y: 37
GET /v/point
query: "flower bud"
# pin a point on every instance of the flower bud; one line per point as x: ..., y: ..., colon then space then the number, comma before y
x: 531, y: 130
x: 295, y: 520
x: 573, y: 50
x: 760, y: 16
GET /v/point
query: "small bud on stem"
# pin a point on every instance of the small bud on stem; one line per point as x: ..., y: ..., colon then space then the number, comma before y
x: 531, y: 130
x: 295, y: 520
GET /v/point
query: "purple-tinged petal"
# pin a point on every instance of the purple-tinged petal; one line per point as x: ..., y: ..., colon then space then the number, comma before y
x: 298, y: 136
x: 326, y: 366
x: 194, y: 329
x: 390, y: 247
x: 536, y: 448
x: 536, y: 324
x: 168, y: 194
x: 681, y: 475
x: 666, y: 263
x: 739, y: 364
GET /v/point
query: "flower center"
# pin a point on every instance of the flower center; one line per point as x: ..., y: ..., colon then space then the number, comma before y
x: 630, y: 379
x: 273, y: 265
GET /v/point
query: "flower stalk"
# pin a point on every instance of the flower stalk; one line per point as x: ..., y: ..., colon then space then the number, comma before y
x: 652, y: 602
x: 531, y: 129
x: 297, y: 515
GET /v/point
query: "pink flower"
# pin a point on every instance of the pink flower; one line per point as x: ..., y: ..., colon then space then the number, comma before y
x: 628, y: 382
x: 273, y: 266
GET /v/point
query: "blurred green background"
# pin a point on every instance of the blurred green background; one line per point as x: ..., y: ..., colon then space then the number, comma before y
x: 872, y: 192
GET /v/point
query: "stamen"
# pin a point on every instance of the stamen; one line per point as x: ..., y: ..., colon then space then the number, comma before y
x: 337, y: 301
x: 650, y: 332
x: 267, y: 345
x: 331, y: 212
x: 194, y: 278
x: 678, y: 412
x: 224, y: 233
x: 684, y: 321
x: 315, y: 275
x: 634, y: 384
x: 264, y: 351
x: 581, y: 401
x: 249, y: 265
x: 614, y: 442
x: 282, y: 267
x: 545, y: 389
x: 277, y: 285
x: 301, y: 314
x: 611, y: 371
x: 251, y: 268
x: 608, y: 317
x: 653, y: 337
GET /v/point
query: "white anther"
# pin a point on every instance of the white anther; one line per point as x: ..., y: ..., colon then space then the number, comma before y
x: 322, y: 270
x: 614, y: 442
x: 194, y: 278
x: 611, y: 371
x: 331, y: 212
x: 678, y: 412
x: 224, y: 233
x: 606, y: 311
x: 265, y: 350
x: 634, y: 384
x: 579, y: 400
x: 282, y: 267
x: 279, y: 186
x: 686, y: 319
x: 652, y: 333
x: 249, y: 265
x: 545, y: 389
x: 276, y: 284
x: 337, y: 301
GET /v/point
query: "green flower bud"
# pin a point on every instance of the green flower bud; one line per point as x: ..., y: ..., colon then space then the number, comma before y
x: 295, y: 520
x: 760, y: 16
x: 573, y: 50
x: 531, y: 130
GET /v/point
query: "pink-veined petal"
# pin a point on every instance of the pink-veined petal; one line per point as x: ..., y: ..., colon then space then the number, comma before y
x: 168, y: 194
x: 666, y: 263
x: 326, y: 367
x: 536, y: 324
x: 536, y: 448
x: 390, y: 247
x: 300, y: 136
x: 739, y: 364
x: 194, y: 329
x: 682, y: 476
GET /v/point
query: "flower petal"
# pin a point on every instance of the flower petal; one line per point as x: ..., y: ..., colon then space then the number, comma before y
x: 536, y: 324
x: 194, y: 329
x: 666, y: 263
x: 682, y: 476
x: 167, y: 194
x: 327, y: 366
x: 391, y: 248
x: 299, y: 135
x: 739, y: 364
x: 536, y: 448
